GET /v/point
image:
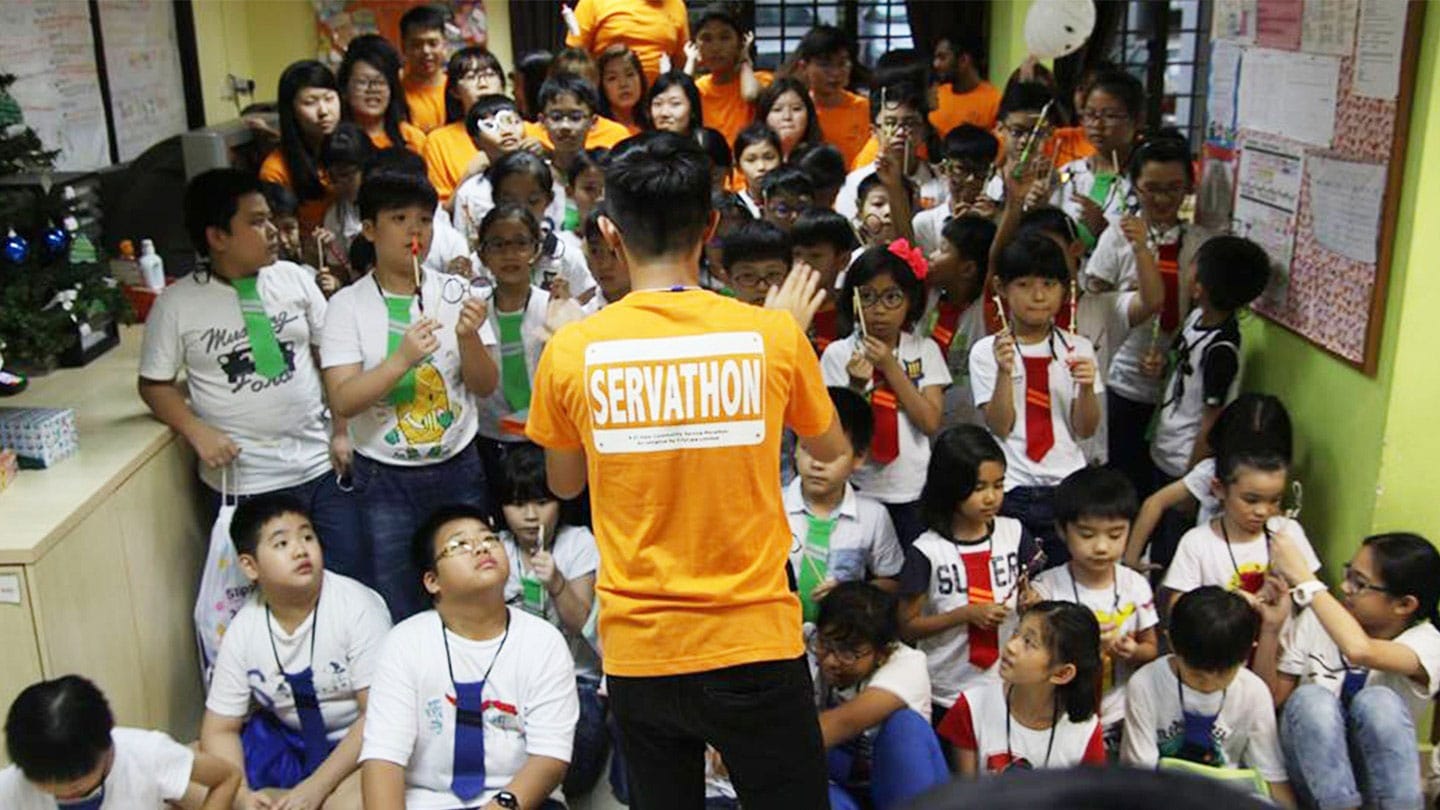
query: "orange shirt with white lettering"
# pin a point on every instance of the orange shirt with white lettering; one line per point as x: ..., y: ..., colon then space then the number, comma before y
x: 311, y: 212
x: 413, y: 137
x: 427, y: 105
x: 649, y: 27
x: 980, y: 107
x: 678, y: 400
x: 722, y: 107
x: 846, y: 126
x: 603, y: 134
x: 448, y: 151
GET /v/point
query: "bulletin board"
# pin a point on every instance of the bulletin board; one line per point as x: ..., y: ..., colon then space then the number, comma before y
x: 1308, y: 106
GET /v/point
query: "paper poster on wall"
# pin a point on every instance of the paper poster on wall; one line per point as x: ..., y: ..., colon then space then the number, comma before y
x: 1267, y: 198
x: 1222, y: 90
x: 1329, y: 27
x: 50, y: 50
x: 1233, y: 20
x: 340, y: 21
x: 147, y: 92
x: 1278, y: 23
x: 1379, y: 40
x: 1289, y: 94
x: 1346, y: 199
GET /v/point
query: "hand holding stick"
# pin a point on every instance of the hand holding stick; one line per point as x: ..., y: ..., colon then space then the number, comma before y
x: 860, y: 317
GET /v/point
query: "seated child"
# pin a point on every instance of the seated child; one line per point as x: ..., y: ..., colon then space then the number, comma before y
x: 826, y: 168
x: 954, y: 311
x: 494, y: 726
x: 1233, y: 550
x: 1230, y: 272
x: 970, y: 154
x: 733, y: 214
x: 1040, y: 714
x: 307, y: 681
x: 784, y: 193
x: 1094, y: 507
x: 874, y: 697
x: 756, y: 256
x: 552, y: 575
x: 903, y: 375
x: 757, y: 153
x: 962, y: 579
x: 606, y: 265
x: 840, y: 535
x: 823, y: 242
x: 1200, y: 705
x: 67, y: 752
x: 1353, y: 678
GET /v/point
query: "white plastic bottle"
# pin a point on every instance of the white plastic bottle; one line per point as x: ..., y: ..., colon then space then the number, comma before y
x: 152, y: 267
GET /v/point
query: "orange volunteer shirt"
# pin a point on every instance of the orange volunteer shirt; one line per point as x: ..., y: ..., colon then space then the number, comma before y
x: 311, y: 212
x: 721, y: 106
x: 427, y: 105
x: 1068, y: 144
x: 649, y: 27
x: 871, y: 150
x: 668, y: 394
x: 448, y: 150
x: 846, y: 126
x: 980, y: 107
x: 604, y: 134
x: 413, y: 137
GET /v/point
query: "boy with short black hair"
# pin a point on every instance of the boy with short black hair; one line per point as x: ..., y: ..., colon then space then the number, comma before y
x: 784, y: 193
x: 721, y: 47
x: 823, y: 242
x: 840, y: 535
x: 569, y: 105
x: 970, y: 154
x: 756, y: 257
x: 304, y: 671
x: 954, y: 310
x: 67, y: 752
x: 1230, y: 272
x: 606, y: 265
x: 884, y: 207
x: 494, y: 123
x: 1094, y: 508
x: 824, y: 59
x: 422, y: 40
x: 827, y: 171
x: 1200, y: 706
x: 897, y: 121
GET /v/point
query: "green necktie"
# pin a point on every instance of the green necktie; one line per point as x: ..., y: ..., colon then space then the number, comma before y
x: 814, y: 561
x: 514, y: 378
x: 264, y: 348
x: 1099, y: 192
x: 534, y: 592
x: 397, y: 308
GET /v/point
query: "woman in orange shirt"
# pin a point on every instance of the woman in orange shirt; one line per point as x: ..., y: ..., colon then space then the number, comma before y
x: 373, y: 97
x: 673, y: 105
x: 471, y: 73
x: 785, y: 107
x: 622, y: 86
x: 309, y: 102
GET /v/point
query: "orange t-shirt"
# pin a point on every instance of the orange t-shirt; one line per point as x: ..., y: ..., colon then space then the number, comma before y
x: 604, y: 134
x: 414, y: 138
x: 668, y: 393
x: 1067, y: 144
x: 871, y: 151
x: 311, y: 212
x: 448, y: 150
x: 846, y: 126
x: 427, y: 105
x: 649, y: 27
x: 980, y: 107
x: 722, y: 107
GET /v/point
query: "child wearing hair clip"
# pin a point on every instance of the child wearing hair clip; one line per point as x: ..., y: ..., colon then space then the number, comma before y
x: 903, y: 374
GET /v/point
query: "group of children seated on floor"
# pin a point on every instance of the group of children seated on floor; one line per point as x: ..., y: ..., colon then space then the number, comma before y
x: 1034, y: 358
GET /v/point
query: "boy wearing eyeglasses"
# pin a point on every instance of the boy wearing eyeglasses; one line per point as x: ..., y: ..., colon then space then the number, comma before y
x: 568, y: 114
x: 970, y: 152
x: 897, y: 120
x: 495, y: 125
x: 756, y: 257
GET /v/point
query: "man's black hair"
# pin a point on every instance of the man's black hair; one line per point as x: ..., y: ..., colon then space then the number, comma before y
x: 657, y: 192
x: 211, y: 200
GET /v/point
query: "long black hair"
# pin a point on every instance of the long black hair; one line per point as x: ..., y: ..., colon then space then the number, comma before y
x: 663, y: 82
x: 377, y: 52
x: 954, y: 472
x: 301, y: 164
x: 1409, y: 566
x: 1072, y: 636
x: 770, y: 95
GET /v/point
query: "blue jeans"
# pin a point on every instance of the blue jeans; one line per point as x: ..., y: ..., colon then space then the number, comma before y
x: 905, y: 762
x: 394, y: 501
x: 1339, y: 757
x: 335, y: 516
x: 592, y: 741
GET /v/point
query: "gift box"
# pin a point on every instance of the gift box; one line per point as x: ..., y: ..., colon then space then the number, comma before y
x: 9, y: 466
x: 40, y: 437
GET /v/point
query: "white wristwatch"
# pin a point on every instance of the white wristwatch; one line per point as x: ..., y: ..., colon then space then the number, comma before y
x: 1304, y: 593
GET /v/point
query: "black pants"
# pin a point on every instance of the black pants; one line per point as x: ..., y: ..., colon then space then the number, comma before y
x: 1126, y: 423
x: 760, y: 717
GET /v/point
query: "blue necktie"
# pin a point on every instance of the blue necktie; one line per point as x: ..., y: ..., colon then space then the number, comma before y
x: 312, y: 723
x: 1354, y: 682
x: 468, y: 780
x: 91, y: 802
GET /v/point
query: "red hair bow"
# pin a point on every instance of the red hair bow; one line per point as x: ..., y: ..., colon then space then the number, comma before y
x: 912, y: 256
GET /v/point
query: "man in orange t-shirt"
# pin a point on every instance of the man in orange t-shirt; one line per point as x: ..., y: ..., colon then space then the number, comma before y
x: 729, y: 87
x: 824, y: 65
x: 671, y: 403
x: 422, y: 39
x: 964, y: 97
x: 650, y: 27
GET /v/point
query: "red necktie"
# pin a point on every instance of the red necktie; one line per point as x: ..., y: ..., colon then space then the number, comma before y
x: 1062, y: 319
x: 885, y: 446
x: 947, y: 319
x: 1169, y: 265
x: 984, y: 641
x: 822, y: 329
x: 1039, y: 430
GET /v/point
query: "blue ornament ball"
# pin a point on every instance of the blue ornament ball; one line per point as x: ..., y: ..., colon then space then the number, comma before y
x: 17, y: 250
x: 57, y: 240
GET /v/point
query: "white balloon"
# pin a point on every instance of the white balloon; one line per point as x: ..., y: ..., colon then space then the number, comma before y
x: 1055, y: 28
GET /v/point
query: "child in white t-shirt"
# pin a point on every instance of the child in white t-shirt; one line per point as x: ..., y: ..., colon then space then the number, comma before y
x: 300, y: 652
x: 1354, y: 677
x: 1200, y: 705
x: 904, y: 376
x: 403, y: 362
x: 472, y: 703
x: 1094, y: 190
x: 963, y: 579
x: 1041, y: 713
x: 67, y: 752
x: 1093, y: 508
x: 873, y: 693
x: 524, y: 180
x: 955, y: 310
x: 838, y: 534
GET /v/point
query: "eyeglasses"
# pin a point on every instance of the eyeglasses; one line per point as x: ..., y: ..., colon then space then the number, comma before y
x: 561, y: 117
x: 910, y: 123
x: 1020, y: 133
x: 1162, y: 191
x: 964, y: 170
x: 1356, y: 582
x: 892, y: 298
x: 847, y: 656
x: 500, y: 120
x: 1107, y: 117
x: 461, y: 545
x: 753, y: 280
x: 369, y: 84
x: 480, y: 75
x: 526, y: 246
x: 785, y: 210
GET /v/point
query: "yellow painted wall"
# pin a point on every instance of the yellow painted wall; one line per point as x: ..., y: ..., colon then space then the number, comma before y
x: 1007, y: 38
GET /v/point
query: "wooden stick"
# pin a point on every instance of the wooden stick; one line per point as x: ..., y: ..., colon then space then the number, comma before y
x: 320, y: 252
x: 1030, y: 141
x: 1074, y: 301
x: 860, y: 316
x: 1000, y: 309
x: 1115, y: 161
x: 415, y: 259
